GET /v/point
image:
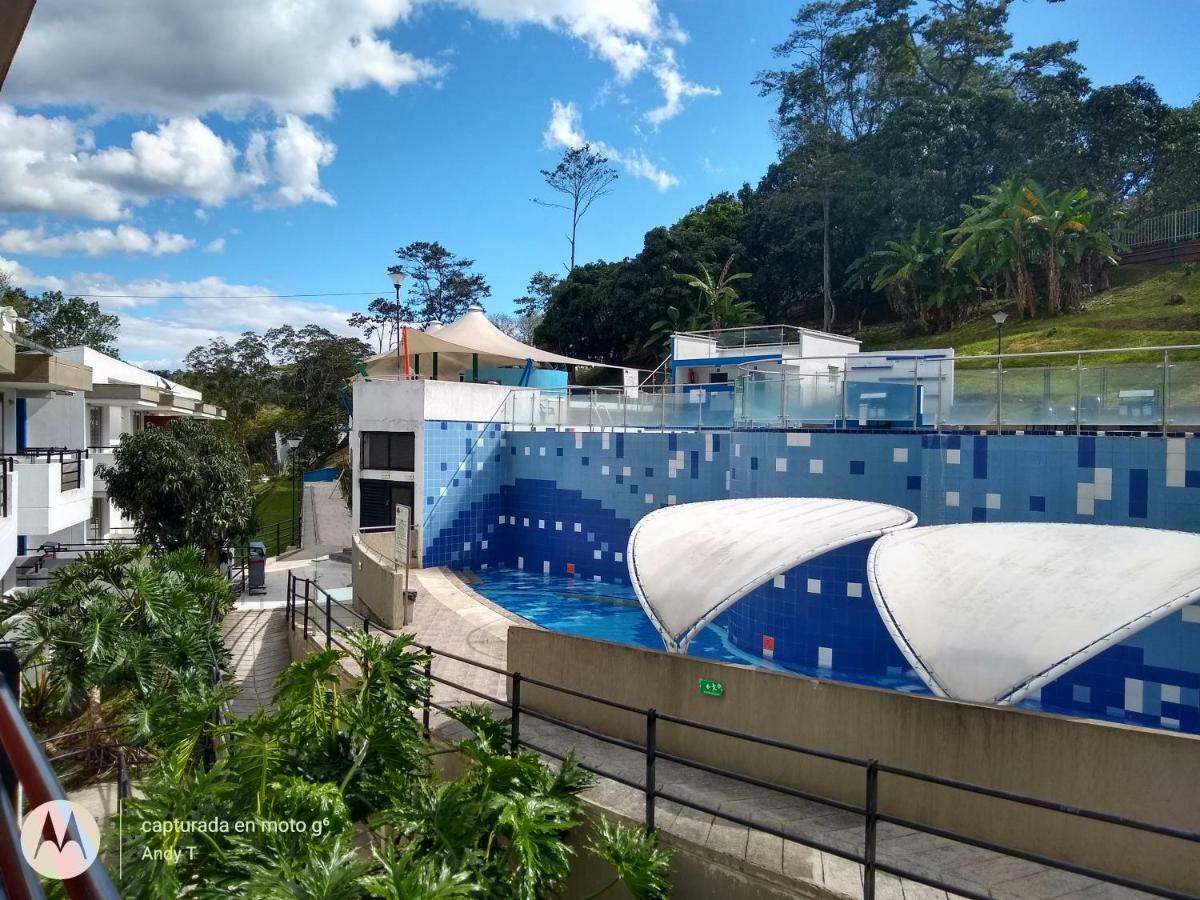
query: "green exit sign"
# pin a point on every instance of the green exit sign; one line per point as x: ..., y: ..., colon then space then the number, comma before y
x: 711, y: 688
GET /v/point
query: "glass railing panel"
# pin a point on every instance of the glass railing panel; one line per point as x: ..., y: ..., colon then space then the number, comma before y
x: 1044, y: 396
x: 1121, y: 395
x: 812, y: 399
x: 974, y: 398
x: 1183, y: 394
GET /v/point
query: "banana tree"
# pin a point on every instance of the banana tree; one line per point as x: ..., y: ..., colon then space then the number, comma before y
x: 999, y: 234
x: 717, y: 295
x: 1059, y: 215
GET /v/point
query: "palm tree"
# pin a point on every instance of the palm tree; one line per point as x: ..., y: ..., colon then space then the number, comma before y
x: 724, y: 308
x: 998, y: 232
x: 1060, y: 215
x: 689, y: 317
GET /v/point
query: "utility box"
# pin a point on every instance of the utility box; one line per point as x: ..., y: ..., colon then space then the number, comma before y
x: 256, y: 567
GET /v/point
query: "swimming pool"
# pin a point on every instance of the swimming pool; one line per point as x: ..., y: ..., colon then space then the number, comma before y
x: 611, y: 612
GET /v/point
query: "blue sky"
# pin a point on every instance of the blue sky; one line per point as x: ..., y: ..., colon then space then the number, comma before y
x: 232, y: 153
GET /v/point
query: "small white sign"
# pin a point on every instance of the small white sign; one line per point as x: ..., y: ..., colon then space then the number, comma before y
x: 403, y: 523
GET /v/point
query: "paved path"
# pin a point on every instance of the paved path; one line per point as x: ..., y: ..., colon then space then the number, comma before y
x: 326, y: 518
x: 450, y: 616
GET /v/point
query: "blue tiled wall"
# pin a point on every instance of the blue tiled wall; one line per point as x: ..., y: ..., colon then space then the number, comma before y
x: 555, y: 501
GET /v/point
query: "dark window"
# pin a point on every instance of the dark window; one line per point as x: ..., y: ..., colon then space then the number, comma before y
x: 377, y: 501
x: 718, y: 378
x: 393, y: 450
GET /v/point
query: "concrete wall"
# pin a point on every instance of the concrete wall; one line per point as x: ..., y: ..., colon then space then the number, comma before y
x: 55, y: 420
x: 1138, y: 773
x: 378, y: 587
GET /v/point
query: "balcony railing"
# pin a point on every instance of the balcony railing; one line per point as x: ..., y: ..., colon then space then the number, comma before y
x: 71, y: 462
x: 7, y: 500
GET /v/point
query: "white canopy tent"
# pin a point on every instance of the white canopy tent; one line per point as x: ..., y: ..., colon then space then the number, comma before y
x: 743, y: 544
x: 992, y: 612
x: 460, y: 344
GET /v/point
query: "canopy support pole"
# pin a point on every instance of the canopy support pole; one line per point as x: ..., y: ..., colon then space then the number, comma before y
x: 407, y: 372
x: 435, y: 356
x: 475, y: 367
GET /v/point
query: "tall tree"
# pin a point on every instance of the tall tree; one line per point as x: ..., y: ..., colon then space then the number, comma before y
x: 181, y: 486
x: 719, y: 298
x: 537, y: 295
x: 378, y: 323
x: 442, y: 284
x: 56, y: 321
x: 312, y: 365
x: 581, y: 177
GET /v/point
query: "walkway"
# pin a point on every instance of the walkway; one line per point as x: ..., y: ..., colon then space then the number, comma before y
x: 452, y: 617
x: 327, y: 527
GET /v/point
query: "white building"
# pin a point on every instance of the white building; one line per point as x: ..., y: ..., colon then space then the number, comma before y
x: 124, y: 399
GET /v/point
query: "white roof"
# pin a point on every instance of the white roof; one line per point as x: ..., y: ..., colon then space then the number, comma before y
x: 109, y: 370
x: 691, y: 562
x: 472, y: 334
x: 991, y: 612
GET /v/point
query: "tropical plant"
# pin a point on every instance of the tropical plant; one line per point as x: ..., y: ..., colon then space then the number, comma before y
x: 920, y: 287
x: 1065, y: 219
x: 999, y: 234
x: 678, y: 320
x: 718, y: 297
x: 344, y: 755
x: 124, y: 623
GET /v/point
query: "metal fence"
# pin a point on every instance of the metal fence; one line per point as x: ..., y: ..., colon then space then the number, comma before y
x: 279, y: 536
x: 313, y: 608
x: 70, y: 461
x: 1169, y: 228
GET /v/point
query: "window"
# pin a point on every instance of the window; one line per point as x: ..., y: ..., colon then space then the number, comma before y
x: 94, y: 427
x: 96, y: 523
x: 378, y: 501
x: 718, y: 378
x: 388, y: 450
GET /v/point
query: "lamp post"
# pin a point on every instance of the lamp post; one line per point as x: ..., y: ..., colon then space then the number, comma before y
x: 999, y: 318
x: 292, y: 444
x: 398, y: 276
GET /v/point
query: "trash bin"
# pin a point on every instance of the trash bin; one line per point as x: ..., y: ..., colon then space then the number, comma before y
x: 256, y: 563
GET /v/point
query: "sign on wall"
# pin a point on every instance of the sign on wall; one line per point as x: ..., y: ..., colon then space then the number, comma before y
x: 710, y: 688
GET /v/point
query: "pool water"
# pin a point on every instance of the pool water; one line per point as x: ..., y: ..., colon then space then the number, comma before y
x: 611, y: 612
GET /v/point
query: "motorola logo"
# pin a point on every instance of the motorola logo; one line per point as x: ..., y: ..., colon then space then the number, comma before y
x: 60, y: 839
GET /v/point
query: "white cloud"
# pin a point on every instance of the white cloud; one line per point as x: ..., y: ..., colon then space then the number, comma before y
x: 675, y: 88
x: 52, y: 166
x: 178, y: 58
x: 565, y: 129
x: 92, y: 242
x: 159, y: 329
x: 297, y: 155
x: 216, y: 245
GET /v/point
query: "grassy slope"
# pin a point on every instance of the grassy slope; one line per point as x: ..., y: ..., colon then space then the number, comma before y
x: 273, y: 501
x: 1133, y: 313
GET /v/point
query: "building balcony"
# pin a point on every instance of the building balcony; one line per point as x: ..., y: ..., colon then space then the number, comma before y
x: 54, y: 489
x: 44, y: 371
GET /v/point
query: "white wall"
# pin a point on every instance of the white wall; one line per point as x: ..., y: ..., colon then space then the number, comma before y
x: 55, y: 420
x: 44, y: 508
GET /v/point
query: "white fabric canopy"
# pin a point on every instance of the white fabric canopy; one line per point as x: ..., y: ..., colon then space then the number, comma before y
x: 472, y: 334
x: 691, y: 562
x: 991, y: 612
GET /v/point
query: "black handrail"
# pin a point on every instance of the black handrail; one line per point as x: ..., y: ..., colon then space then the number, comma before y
x: 25, y: 768
x: 305, y: 591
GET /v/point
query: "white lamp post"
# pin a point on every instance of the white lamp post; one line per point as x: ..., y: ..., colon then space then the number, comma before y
x: 397, y: 276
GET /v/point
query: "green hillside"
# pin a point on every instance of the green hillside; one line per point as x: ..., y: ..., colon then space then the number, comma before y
x: 1148, y: 305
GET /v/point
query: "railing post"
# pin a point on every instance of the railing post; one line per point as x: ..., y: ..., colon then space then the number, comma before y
x: 916, y: 406
x: 1166, y: 386
x: 999, y: 393
x: 651, y: 755
x: 306, y: 584
x: 514, y: 740
x: 783, y: 398
x: 277, y: 546
x: 662, y: 408
x: 1078, y: 391
x: 428, y: 692
x: 328, y: 623
x: 872, y: 821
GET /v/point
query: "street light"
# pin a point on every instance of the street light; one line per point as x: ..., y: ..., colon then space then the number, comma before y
x: 999, y: 318
x: 398, y: 276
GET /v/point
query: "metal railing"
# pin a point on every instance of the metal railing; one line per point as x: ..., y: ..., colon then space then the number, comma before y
x: 26, y: 772
x: 313, y: 606
x: 6, y: 497
x: 1168, y: 228
x: 279, y: 536
x: 70, y: 461
x: 1149, y: 388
